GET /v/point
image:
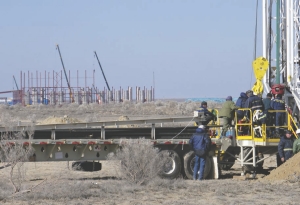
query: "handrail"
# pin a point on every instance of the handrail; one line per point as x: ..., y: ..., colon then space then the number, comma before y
x: 263, y: 128
x: 240, y: 125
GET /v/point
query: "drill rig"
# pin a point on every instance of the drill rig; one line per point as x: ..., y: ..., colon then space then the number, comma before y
x: 281, y: 47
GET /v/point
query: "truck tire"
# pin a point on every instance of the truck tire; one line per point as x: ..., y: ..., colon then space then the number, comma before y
x: 189, y: 161
x: 172, y: 168
x: 86, y: 166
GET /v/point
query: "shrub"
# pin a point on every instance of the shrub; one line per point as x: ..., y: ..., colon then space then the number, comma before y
x: 140, y: 161
x: 14, y: 154
x: 13, y: 151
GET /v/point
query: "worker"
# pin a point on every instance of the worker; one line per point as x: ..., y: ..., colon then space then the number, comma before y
x: 267, y: 103
x: 253, y: 102
x: 296, y: 144
x: 269, y: 116
x: 285, y: 146
x: 200, y: 143
x: 227, y: 114
x: 278, y: 104
x: 241, y: 101
x: 241, y: 104
x: 208, y: 115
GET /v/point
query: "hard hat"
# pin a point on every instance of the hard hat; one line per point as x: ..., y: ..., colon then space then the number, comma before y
x: 298, y: 131
x: 229, y: 98
x: 203, y: 103
x: 288, y: 132
x: 202, y: 127
x: 249, y: 91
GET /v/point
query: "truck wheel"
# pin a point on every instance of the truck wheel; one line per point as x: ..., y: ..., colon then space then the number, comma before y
x: 86, y: 166
x: 172, y: 168
x: 189, y: 161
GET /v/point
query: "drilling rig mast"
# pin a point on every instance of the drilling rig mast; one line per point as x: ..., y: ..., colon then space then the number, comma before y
x: 281, y: 47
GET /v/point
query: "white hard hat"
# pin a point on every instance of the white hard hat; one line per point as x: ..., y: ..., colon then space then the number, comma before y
x: 298, y: 131
x: 203, y: 127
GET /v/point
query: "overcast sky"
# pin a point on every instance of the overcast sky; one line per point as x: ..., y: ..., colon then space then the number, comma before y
x: 195, y: 48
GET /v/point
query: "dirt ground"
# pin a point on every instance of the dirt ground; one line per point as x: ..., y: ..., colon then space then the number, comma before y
x: 60, y: 185
x: 57, y: 183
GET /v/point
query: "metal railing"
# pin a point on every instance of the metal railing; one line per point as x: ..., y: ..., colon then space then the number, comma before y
x: 251, y: 126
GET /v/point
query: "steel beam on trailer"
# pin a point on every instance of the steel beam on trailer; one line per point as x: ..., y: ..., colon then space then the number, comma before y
x: 99, y: 124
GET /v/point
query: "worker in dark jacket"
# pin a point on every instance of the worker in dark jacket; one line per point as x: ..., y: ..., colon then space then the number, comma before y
x: 285, y: 146
x: 267, y: 101
x: 253, y: 102
x: 200, y: 142
x: 269, y: 116
x: 208, y: 115
x: 241, y: 104
x: 278, y: 104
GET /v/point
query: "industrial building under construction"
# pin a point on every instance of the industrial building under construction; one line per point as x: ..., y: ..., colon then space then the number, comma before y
x: 48, y: 88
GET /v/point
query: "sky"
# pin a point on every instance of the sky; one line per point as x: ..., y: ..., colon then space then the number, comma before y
x: 182, y: 48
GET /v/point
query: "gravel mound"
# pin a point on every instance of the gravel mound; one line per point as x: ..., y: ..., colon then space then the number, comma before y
x: 289, y: 171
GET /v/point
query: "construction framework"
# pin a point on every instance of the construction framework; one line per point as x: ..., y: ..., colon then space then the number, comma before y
x: 49, y: 88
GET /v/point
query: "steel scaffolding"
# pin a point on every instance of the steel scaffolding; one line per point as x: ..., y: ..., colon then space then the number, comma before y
x: 48, y: 88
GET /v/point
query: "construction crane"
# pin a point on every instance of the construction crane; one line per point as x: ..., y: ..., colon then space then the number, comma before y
x: 71, y: 95
x: 16, y: 82
x: 102, y: 71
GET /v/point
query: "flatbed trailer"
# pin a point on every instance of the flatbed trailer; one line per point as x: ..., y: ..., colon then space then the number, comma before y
x: 95, y: 140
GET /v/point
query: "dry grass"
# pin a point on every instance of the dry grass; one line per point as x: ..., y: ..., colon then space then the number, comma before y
x: 115, y: 191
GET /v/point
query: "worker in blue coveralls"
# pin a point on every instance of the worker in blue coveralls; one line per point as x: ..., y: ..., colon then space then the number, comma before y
x: 253, y: 102
x: 200, y: 142
x: 285, y: 147
x: 208, y: 115
x: 278, y: 104
x: 269, y: 116
x: 241, y: 104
